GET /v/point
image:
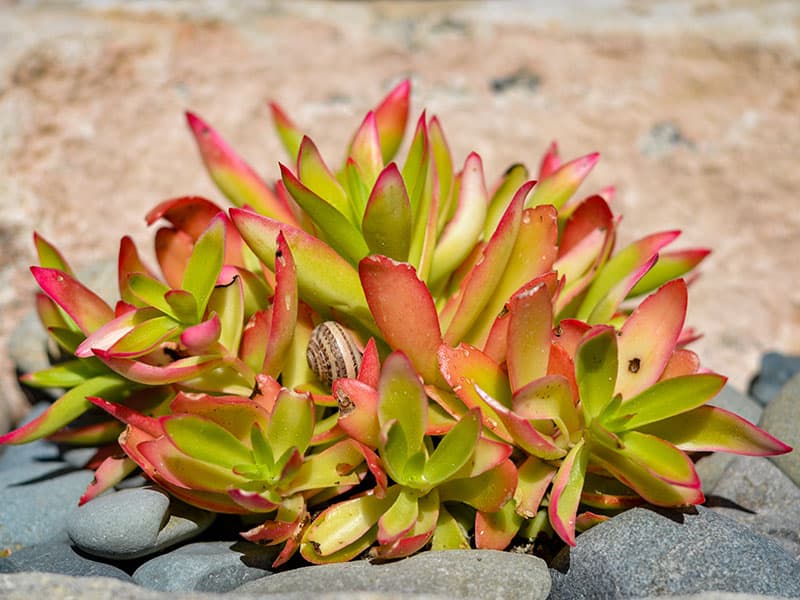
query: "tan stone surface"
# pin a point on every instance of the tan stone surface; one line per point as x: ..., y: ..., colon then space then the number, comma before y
x: 694, y: 106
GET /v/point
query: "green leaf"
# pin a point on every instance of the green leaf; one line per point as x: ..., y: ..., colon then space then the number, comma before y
x: 401, y: 398
x: 66, y: 374
x: 512, y: 180
x: 227, y: 301
x: 291, y: 423
x: 204, y: 440
x: 145, y: 337
x: 205, y: 264
x: 152, y: 292
x: 566, y: 494
x: 661, y: 458
x: 183, y: 305
x: 393, y: 449
x: 449, y: 534
x: 454, y: 449
x: 387, y: 218
x: 596, y: 370
x: 262, y: 453
x: 666, y: 399
x: 317, y: 177
x: 465, y: 229
x: 713, y: 429
x: 67, y: 408
x: 400, y: 517
x: 49, y: 256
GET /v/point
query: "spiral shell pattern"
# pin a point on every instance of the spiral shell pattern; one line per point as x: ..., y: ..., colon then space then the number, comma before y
x: 332, y: 353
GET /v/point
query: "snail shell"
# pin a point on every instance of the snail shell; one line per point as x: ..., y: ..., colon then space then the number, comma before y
x: 332, y: 353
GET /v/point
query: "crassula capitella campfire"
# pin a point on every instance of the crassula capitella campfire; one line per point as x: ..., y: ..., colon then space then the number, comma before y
x: 392, y: 355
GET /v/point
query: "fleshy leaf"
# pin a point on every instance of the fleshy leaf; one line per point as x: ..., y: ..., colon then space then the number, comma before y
x: 529, y: 334
x: 714, y: 429
x: 549, y: 397
x: 401, y: 398
x: 49, y: 256
x: 465, y: 228
x: 641, y: 479
x: 660, y: 457
x: 391, y: 117
x: 596, y: 370
x: 533, y: 255
x: 324, y: 279
x: 487, y: 492
x: 400, y: 517
x: 317, y: 177
x: 284, y: 309
x: 480, y: 283
x: 496, y: 530
x: 204, y: 265
x: 647, y: 339
x: 110, y: 472
x: 179, y: 370
x: 336, y: 228
x: 87, y: 309
x: 566, y: 494
x: 559, y: 186
x: 289, y: 133
x: 365, y: 149
x: 666, y: 399
x: 291, y: 423
x: 67, y: 408
x: 523, y: 433
x: 204, y: 440
x: 404, y: 311
x: 234, y: 177
x: 670, y: 265
x: 387, y: 219
x: 466, y: 370
x: 625, y: 262
x: 454, y: 449
x: 513, y: 179
x: 534, y: 478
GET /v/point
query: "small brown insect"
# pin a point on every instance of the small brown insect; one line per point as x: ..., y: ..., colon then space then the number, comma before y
x: 332, y: 353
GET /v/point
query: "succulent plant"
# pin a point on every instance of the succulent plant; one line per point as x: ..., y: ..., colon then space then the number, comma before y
x: 389, y: 356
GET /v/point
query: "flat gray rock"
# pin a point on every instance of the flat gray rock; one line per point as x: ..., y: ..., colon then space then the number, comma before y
x: 463, y: 574
x: 58, y: 558
x: 28, y: 586
x: 769, y: 500
x: 134, y: 522
x: 206, y: 567
x: 36, y: 500
x: 647, y: 552
x: 782, y: 419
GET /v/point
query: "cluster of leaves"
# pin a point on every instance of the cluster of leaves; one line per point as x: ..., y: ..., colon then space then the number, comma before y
x: 520, y: 375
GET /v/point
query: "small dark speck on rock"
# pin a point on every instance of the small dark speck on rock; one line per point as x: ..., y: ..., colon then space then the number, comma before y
x: 522, y: 79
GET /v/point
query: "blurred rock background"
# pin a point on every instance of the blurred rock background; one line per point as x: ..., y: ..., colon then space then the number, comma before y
x: 694, y: 106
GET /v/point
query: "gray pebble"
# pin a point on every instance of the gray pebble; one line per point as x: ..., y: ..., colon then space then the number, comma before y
x: 655, y: 552
x: 781, y: 418
x: 134, y: 522
x: 769, y: 500
x: 483, y: 574
x: 776, y: 370
x: 206, y: 567
x: 58, y: 558
x: 36, y: 500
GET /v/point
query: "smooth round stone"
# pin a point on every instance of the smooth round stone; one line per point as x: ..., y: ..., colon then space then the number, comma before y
x: 58, y: 558
x: 36, y: 500
x: 755, y: 492
x: 776, y: 370
x: 782, y: 419
x: 134, y: 522
x: 206, y: 567
x: 648, y: 552
x: 485, y: 574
